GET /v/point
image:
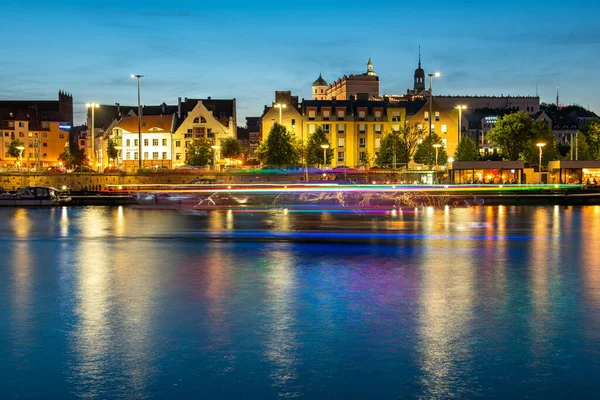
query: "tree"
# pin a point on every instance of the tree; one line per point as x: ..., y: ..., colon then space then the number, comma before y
x: 583, y: 150
x: 111, y: 151
x: 466, y: 150
x: 364, y: 159
x: 78, y: 155
x: 402, y: 143
x: 230, y: 148
x: 314, y: 151
x: 540, y: 133
x: 425, y: 149
x: 199, y: 153
x: 12, y: 148
x: 278, y: 149
x: 66, y: 157
x: 592, y: 137
x: 512, y: 133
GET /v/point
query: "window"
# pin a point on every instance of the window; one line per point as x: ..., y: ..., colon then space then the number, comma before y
x: 426, y: 117
x: 362, y: 129
x: 395, y: 128
x: 11, y: 124
x: 44, y: 155
x: 196, y: 120
x: 293, y: 122
x: 164, y: 155
x: 396, y: 116
x: 178, y: 143
x: 6, y: 134
x: 378, y: 129
x: 188, y: 135
x: 341, y: 129
x: 145, y: 142
x: 187, y: 143
x: 378, y: 115
x: 44, y: 144
x: 154, y: 142
x: 311, y: 128
x: 444, y: 128
x: 377, y: 143
x: 44, y: 135
x: 21, y: 125
x: 190, y: 131
x: 155, y: 155
x: 135, y: 143
x: 82, y: 142
x: 62, y: 135
x: 341, y: 142
x: 326, y: 128
x: 145, y: 155
x: 340, y: 115
x: 203, y: 120
x: 340, y: 156
x: 21, y: 134
x: 128, y: 155
x: 437, y: 115
x: 128, y: 141
x: 311, y: 115
x: 362, y: 115
x: 362, y: 142
x: 45, y: 125
x: 326, y: 115
x: 135, y: 155
x: 30, y: 134
x: 177, y: 156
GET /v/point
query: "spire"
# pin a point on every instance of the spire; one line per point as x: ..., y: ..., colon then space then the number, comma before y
x: 370, y: 68
x: 557, y: 103
x: 419, y: 56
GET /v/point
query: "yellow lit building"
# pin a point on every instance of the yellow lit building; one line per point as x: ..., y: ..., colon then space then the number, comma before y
x: 285, y: 110
x: 444, y: 123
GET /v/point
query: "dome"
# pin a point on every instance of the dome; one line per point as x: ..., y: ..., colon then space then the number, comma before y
x: 320, y: 81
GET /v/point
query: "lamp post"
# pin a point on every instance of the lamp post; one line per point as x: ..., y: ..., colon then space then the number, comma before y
x: 139, y: 121
x: 215, y: 149
x: 540, y: 145
x: 436, y: 74
x: 324, y: 147
x: 20, y: 148
x: 281, y: 107
x: 460, y: 107
x: 437, y: 146
x: 93, y: 106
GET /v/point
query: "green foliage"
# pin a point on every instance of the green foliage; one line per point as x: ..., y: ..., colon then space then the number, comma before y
x: 230, y: 148
x: 78, y: 155
x: 111, y: 151
x: 278, y: 150
x: 583, y: 150
x: 466, y: 150
x: 540, y: 133
x: 66, y: 157
x: 12, y: 148
x: 512, y: 133
x: 591, y: 132
x: 425, y: 149
x: 364, y: 159
x: 199, y: 153
x: 314, y: 151
x: 402, y: 143
x: 390, y: 145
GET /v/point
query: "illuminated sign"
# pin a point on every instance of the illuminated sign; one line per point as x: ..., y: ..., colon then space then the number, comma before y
x: 64, y: 127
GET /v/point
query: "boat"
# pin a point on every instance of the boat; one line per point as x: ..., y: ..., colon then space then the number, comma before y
x: 34, y: 196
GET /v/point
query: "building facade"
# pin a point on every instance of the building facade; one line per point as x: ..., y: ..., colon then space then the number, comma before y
x: 285, y: 110
x: 347, y: 86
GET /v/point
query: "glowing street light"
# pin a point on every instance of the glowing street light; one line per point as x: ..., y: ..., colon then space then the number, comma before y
x: 140, y: 162
x: 93, y: 106
x: 215, y: 148
x: 437, y: 75
x: 20, y: 148
x: 324, y: 147
x: 540, y: 145
x: 460, y: 107
x: 281, y: 107
x: 437, y: 146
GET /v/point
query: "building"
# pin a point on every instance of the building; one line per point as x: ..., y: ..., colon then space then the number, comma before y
x: 444, y: 123
x: 346, y: 86
x: 42, y: 125
x: 157, y: 144
x: 285, y: 110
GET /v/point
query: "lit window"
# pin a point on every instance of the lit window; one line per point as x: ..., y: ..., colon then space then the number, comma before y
x: 135, y: 155
x: 426, y: 116
x: 444, y: 128
x: 377, y: 143
x: 341, y: 142
x: 164, y: 155
x: 340, y: 156
x: 145, y: 143
x: 154, y: 142
x: 145, y: 155
x: 178, y: 143
x: 362, y: 143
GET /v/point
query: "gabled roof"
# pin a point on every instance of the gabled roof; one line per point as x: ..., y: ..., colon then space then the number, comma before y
x: 150, y: 123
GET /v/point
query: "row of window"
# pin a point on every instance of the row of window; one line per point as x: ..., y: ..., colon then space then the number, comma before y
x: 437, y: 116
x: 155, y: 155
x: 30, y: 155
x: 341, y: 128
x: 362, y: 142
x: 341, y: 156
x: 32, y: 134
x: 341, y: 115
x: 44, y: 144
x: 146, y: 142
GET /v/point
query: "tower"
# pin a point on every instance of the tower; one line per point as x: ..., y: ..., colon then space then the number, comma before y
x: 419, y: 85
x: 370, y: 71
x: 319, y: 89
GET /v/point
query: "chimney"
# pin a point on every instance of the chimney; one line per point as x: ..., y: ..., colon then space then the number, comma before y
x: 208, y: 97
x: 163, y: 108
x: 179, y: 107
x: 118, y: 109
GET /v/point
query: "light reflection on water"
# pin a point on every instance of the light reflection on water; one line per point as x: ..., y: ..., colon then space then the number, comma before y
x: 122, y: 303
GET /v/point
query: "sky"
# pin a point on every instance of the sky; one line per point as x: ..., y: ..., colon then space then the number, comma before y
x: 247, y: 50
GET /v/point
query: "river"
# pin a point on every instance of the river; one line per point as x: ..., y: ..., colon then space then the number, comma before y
x: 495, y: 302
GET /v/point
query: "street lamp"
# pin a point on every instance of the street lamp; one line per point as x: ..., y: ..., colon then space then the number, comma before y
x: 139, y: 121
x: 20, y: 148
x: 93, y: 106
x: 215, y: 149
x: 281, y: 107
x: 436, y: 74
x: 437, y: 146
x: 324, y: 147
x: 540, y: 145
x: 460, y: 107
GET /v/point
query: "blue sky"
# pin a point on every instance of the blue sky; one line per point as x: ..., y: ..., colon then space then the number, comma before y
x: 247, y: 50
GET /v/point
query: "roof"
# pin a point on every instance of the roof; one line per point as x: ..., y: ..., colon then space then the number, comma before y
x: 150, y: 123
x: 320, y: 81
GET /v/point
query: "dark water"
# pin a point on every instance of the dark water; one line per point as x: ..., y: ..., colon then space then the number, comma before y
x: 477, y: 302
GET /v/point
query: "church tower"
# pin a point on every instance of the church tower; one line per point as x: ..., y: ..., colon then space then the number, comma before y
x: 419, y: 77
x: 370, y: 71
x: 319, y: 89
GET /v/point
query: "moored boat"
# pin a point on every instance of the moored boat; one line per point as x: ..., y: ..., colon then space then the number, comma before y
x: 34, y: 196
